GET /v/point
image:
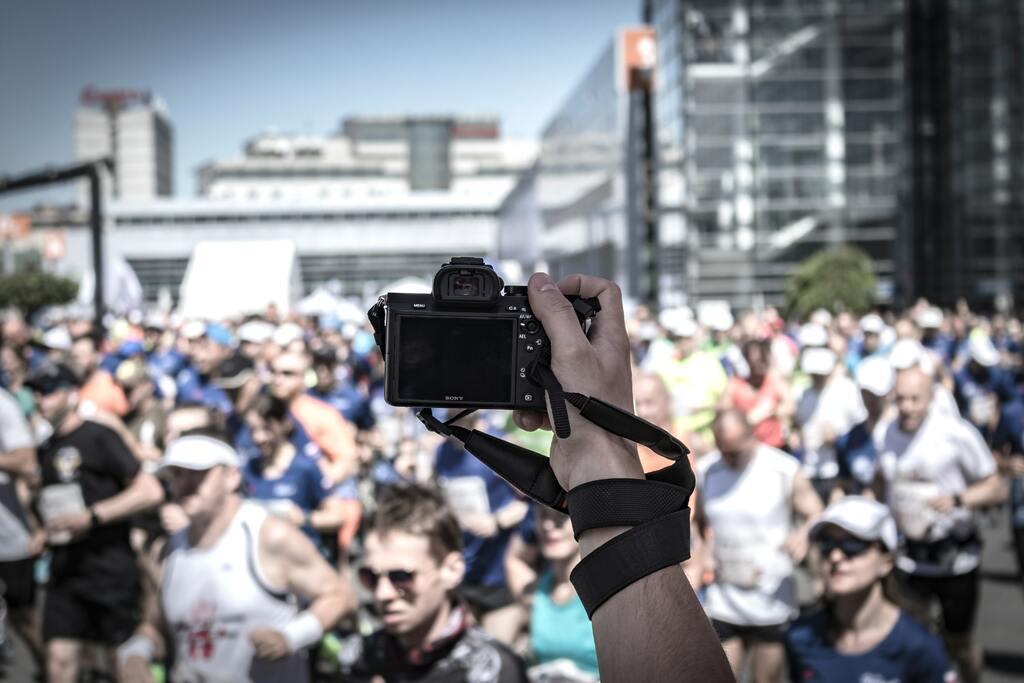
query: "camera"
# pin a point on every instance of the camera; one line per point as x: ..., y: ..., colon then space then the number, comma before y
x: 470, y: 343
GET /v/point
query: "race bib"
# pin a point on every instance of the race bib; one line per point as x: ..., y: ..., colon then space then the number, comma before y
x: 738, y: 561
x: 59, y: 500
x: 910, y: 507
x: 467, y: 497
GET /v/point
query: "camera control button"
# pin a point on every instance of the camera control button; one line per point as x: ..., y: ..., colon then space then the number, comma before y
x: 529, y: 348
x: 532, y: 326
x: 528, y: 398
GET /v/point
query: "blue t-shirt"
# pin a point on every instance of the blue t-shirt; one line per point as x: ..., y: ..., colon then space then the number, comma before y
x: 1010, y: 429
x: 909, y: 654
x: 561, y: 631
x: 350, y: 402
x: 302, y: 483
x: 855, y: 453
x: 484, y: 556
x: 193, y: 389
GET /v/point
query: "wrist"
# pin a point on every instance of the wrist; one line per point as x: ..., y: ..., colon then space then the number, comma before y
x: 605, y: 458
x: 136, y: 646
x: 304, y: 630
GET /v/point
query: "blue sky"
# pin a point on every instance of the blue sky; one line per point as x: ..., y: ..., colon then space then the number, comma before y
x: 228, y: 70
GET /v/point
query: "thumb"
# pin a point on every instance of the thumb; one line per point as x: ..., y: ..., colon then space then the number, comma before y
x: 557, y: 316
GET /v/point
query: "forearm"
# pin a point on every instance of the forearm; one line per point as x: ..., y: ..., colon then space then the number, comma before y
x: 328, y: 518
x: 989, y: 491
x: 332, y: 604
x: 144, y: 492
x: 660, y: 617
x: 20, y: 462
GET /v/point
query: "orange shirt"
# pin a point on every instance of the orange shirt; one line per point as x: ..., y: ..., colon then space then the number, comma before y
x: 103, y: 392
x: 335, y: 436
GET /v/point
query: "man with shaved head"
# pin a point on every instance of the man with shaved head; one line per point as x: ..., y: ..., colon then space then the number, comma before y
x: 935, y: 471
x: 749, y: 494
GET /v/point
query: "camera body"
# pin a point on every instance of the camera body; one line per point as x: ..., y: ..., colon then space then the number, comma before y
x: 470, y: 343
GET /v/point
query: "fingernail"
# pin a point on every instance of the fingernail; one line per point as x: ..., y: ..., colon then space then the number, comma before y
x: 544, y: 282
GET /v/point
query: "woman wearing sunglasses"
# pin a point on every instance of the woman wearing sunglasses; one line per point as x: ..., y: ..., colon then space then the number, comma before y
x: 861, y: 634
x: 561, y: 638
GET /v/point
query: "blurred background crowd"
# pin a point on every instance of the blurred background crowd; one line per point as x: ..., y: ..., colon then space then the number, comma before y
x: 301, y: 398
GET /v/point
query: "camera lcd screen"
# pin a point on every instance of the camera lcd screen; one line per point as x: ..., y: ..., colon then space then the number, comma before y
x: 448, y: 359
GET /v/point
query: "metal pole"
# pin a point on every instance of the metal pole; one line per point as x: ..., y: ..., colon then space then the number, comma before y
x: 96, y: 230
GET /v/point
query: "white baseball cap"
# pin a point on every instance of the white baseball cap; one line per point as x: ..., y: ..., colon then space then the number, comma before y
x: 286, y: 333
x: 930, y: 318
x: 812, y: 334
x: 678, y: 321
x: 255, y: 332
x: 193, y: 329
x: 862, y: 517
x: 875, y: 374
x: 905, y: 354
x: 983, y: 351
x: 872, y: 323
x: 199, y: 453
x: 818, y: 361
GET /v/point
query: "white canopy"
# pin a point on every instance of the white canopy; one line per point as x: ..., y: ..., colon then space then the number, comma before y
x: 229, y: 278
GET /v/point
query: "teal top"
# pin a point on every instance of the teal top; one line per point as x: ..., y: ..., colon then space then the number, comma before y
x: 561, y: 631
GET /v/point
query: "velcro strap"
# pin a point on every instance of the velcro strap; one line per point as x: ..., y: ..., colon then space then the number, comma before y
x: 631, y: 556
x: 622, y: 502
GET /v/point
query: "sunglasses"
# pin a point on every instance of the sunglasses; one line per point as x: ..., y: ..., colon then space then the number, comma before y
x: 286, y: 373
x: 400, y: 579
x: 849, y: 546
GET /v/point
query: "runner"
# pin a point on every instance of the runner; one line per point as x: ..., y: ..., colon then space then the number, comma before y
x: 19, y: 546
x: 750, y: 493
x: 413, y: 565
x: 935, y: 471
x: 827, y: 409
x: 92, y: 484
x: 855, y: 450
x: 860, y: 634
x: 232, y: 583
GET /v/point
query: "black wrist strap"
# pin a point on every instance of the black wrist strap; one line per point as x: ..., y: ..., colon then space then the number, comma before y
x: 622, y: 502
x: 631, y: 556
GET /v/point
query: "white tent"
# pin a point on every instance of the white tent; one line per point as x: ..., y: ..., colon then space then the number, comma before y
x: 407, y: 285
x: 232, y: 278
x: 320, y: 302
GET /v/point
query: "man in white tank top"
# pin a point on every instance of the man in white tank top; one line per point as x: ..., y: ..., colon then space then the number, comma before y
x: 750, y: 493
x: 233, y: 583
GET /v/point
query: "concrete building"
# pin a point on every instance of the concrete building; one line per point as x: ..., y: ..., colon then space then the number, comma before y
x: 381, y: 199
x: 133, y: 129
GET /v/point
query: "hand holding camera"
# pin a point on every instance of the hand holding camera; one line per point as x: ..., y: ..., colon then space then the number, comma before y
x: 597, y: 365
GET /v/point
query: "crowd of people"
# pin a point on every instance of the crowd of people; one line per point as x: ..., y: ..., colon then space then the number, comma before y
x: 195, y: 499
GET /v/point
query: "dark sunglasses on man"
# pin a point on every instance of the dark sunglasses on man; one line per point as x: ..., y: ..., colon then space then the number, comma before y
x: 400, y: 579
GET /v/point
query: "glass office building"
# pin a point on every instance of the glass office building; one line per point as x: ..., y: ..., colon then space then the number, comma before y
x: 967, y: 104
x: 780, y: 130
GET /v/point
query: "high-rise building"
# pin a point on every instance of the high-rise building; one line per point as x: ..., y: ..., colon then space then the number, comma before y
x: 131, y: 128
x: 781, y: 129
x: 966, y: 198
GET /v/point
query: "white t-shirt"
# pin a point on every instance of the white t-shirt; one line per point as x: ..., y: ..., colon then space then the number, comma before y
x: 14, y: 434
x: 750, y: 514
x: 839, y: 408
x: 944, y: 456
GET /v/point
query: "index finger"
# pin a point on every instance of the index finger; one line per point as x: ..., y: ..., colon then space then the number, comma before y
x: 610, y: 323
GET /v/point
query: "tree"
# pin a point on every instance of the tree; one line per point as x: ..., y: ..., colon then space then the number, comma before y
x: 31, y: 291
x: 840, y: 279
